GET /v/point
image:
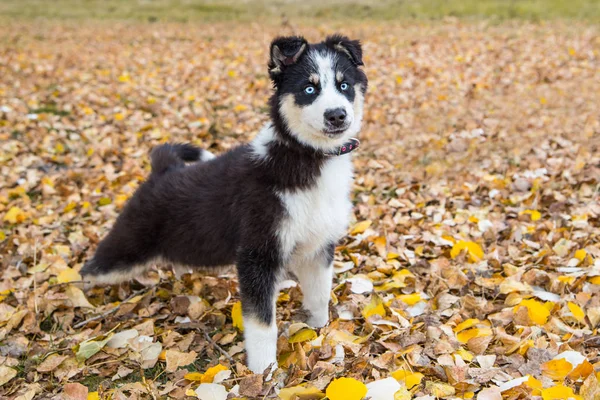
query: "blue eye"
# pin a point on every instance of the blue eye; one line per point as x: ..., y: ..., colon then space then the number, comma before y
x: 344, y: 86
x: 309, y: 90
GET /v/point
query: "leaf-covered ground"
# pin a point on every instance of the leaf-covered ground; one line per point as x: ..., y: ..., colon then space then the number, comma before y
x: 471, y: 269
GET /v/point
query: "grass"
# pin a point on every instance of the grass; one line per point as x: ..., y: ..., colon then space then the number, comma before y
x: 227, y: 10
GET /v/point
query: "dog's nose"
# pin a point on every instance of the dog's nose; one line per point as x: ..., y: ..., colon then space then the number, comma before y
x: 335, y: 117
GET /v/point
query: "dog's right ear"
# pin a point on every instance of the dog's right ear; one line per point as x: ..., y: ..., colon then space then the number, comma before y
x: 285, y: 51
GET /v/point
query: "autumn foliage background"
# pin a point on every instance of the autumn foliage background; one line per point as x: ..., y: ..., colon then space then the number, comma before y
x: 472, y: 266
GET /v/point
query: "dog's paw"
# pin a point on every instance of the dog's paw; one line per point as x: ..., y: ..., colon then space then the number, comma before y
x: 317, y: 321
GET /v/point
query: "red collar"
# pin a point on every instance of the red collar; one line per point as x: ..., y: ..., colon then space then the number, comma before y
x: 346, y: 148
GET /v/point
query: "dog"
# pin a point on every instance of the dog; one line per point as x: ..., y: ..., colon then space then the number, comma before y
x: 275, y: 207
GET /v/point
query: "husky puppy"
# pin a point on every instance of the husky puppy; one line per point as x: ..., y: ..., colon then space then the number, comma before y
x: 275, y: 207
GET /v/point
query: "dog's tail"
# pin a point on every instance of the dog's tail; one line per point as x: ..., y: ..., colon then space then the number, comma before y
x: 167, y: 156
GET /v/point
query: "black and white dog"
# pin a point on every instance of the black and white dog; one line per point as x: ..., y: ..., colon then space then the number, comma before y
x: 275, y: 207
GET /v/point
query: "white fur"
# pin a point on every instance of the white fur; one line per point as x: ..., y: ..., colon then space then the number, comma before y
x: 261, y: 344
x: 119, y: 276
x: 207, y: 155
x: 315, y: 218
x: 308, y: 122
x: 315, y: 276
x: 319, y: 215
x: 260, y: 143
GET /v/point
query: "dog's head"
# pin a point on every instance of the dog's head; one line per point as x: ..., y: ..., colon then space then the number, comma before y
x: 319, y: 88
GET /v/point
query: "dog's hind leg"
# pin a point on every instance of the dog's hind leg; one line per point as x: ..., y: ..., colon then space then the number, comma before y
x: 123, y: 255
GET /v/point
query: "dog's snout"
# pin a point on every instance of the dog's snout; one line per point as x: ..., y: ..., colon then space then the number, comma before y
x: 336, y: 117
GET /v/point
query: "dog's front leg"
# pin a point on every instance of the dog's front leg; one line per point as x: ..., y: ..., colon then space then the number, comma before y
x: 257, y: 272
x: 315, y: 275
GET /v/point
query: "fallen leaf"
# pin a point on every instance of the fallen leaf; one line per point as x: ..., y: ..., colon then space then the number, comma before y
x: 236, y: 316
x: 75, y: 391
x: 300, y: 392
x: 176, y: 359
x: 473, y: 250
x: 360, y: 227
x: 346, y: 389
x: 68, y: 275
x: 6, y: 374
x: 211, y: 391
x: 210, y: 373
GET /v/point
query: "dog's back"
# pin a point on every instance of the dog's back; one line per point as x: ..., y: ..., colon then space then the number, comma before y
x: 182, y: 214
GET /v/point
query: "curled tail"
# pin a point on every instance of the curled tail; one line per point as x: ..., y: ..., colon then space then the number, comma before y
x: 176, y: 155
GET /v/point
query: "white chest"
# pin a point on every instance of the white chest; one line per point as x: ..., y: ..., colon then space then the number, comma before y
x: 318, y: 216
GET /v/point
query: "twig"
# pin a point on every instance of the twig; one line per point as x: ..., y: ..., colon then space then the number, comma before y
x: 35, y: 295
x: 107, y: 313
x: 231, y: 360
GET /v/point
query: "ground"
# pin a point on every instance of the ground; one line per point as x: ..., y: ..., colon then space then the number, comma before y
x: 472, y: 265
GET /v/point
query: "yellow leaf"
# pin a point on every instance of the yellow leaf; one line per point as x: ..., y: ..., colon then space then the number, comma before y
x: 15, y: 216
x: 595, y: 280
x: 566, y: 279
x: 557, y: 369
x: 69, y: 207
x: 403, y: 394
x: 120, y: 200
x: 410, y: 378
x: 300, y: 392
x: 580, y: 254
x: 537, y: 311
x: 410, y: 299
x: 466, y: 324
x: 398, y: 79
x: 346, y: 389
x: 469, y: 395
x: 232, y: 73
x: 240, y: 107
x: 104, y: 201
x: 381, y: 246
x: 473, y: 250
x: 534, y: 383
x: 559, y: 392
x: 210, y: 373
x: 193, y: 376
x: 2, y: 236
x: 465, y: 355
x: 303, y: 335
x: 68, y: 275
x: 124, y: 78
x: 392, y: 256
x: 59, y: 148
x: 163, y: 355
x: 576, y: 311
x: 469, y: 334
x: 360, y: 227
x: 93, y: 396
x: 4, y: 294
x: 533, y: 214
x: 375, y: 307
x: 17, y: 192
x: 439, y: 389
x: 543, y: 100
x: 236, y: 316
x: 581, y: 371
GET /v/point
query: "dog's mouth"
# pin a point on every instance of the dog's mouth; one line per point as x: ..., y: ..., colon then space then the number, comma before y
x: 334, y: 132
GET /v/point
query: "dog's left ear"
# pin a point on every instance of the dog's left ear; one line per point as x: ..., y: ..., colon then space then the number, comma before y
x: 285, y: 51
x: 343, y: 44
